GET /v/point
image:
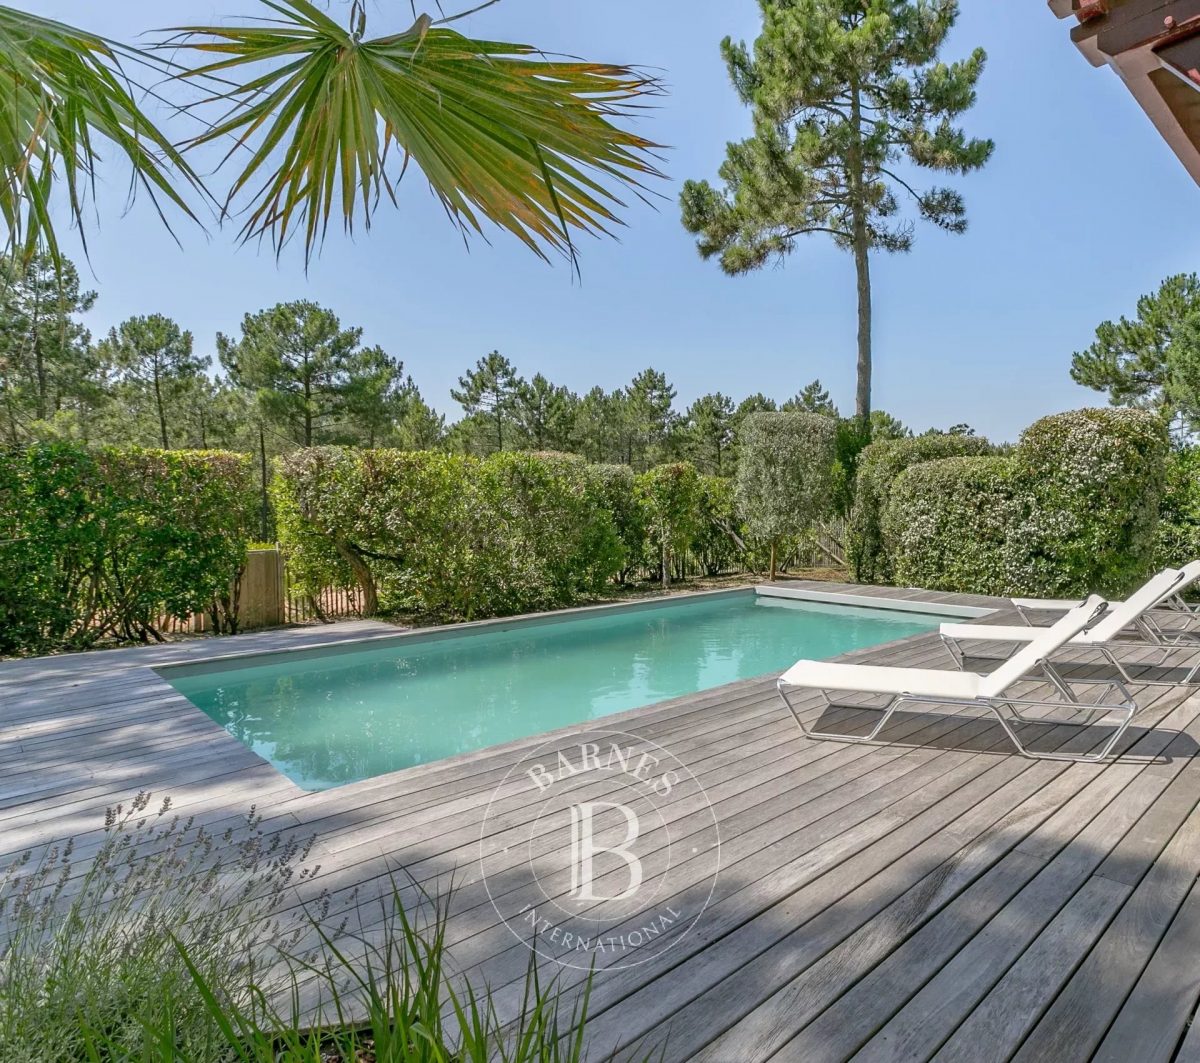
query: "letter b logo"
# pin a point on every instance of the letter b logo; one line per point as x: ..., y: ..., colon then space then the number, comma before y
x: 584, y: 849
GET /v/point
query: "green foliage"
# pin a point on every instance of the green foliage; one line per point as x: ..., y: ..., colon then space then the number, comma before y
x: 714, y: 544
x: 500, y: 131
x: 844, y: 97
x: 167, y: 941
x: 614, y: 485
x: 670, y: 498
x: 156, y: 369
x: 311, y: 378
x: 103, y: 542
x: 1073, y: 509
x: 949, y: 522
x: 47, y: 364
x: 488, y: 396
x: 785, y: 475
x: 878, y: 466
x: 1092, y: 480
x: 447, y: 534
x: 1178, y: 539
x: 708, y: 424
x: 1154, y: 359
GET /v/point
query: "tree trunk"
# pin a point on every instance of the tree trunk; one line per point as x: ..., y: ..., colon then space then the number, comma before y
x: 363, y: 576
x: 862, y: 266
x: 772, y: 559
x: 266, y: 509
x: 862, y: 270
x: 666, y: 565
x: 162, y: 416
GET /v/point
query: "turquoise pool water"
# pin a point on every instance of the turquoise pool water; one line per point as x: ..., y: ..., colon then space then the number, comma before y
x: 358, y: 712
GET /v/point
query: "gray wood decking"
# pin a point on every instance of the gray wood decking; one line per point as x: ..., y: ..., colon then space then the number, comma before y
x: 935, y: 898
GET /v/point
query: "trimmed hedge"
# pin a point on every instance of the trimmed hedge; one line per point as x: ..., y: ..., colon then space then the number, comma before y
x: 447, y: 534
x: 1071, y: 510
x: 878, y: 466
x: 103, y: 542
x: 1094, y: 479
x: 948, y: 525
x: 1178, y: 539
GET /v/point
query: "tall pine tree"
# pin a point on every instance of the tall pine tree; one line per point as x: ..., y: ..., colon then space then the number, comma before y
x: 847, y: 97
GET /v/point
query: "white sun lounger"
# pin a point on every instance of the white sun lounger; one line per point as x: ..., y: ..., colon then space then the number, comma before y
x: 1128, y: 624
x: 1174, y: 601
x: 960, y: 689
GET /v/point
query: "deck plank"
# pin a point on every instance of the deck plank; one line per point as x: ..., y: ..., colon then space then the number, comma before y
x: 897, y: 902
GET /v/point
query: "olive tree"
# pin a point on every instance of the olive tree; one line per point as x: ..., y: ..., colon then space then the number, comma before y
x: 785, y: 474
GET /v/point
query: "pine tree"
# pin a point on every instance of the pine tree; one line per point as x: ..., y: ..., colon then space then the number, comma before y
x: 299, y: 363
x: 845, y: 94
x: 155, y: 368
x: 710, y: 432
x: 545, y: 413
x: 812, y: 398
x: 1149, y: 360
x: 488, y: 393
x: 46, y: 358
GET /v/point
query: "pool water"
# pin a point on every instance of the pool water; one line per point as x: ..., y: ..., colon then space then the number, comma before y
x: 356, y: 712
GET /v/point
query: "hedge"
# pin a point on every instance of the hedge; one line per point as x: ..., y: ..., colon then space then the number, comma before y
x: 1094, y: 479
x: 451, y: 535
x: 1178, y: 539
x: 948, y: 525
x: 878, y: 466
x: 104, y: 542
x: 1071, y: 510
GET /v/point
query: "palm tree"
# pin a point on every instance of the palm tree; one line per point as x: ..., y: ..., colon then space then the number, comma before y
x: 319, y: 121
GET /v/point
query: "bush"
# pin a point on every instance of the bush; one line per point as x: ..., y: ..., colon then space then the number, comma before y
x: 878, y: 466
x: 1093, y: 480
x: 948, y: 525
x: 785, y: 474
x: 713, y: 544
x: 104, y: 542
x: 450, y: 535
x: 670, y: 499
x: 1073, y: 509
x: 1178, y: 538
x: 614, y: 487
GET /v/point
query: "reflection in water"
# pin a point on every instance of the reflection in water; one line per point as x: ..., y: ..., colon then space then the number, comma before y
x: 360, y: 713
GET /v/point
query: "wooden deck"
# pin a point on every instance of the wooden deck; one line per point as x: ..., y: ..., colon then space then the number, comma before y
x: 935, y: 898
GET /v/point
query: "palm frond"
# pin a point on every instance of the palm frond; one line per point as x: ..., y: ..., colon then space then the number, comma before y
x: 63, y: 92
x: 315, y: 117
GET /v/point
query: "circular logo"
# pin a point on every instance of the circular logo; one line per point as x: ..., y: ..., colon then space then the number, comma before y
x: 600, y: 847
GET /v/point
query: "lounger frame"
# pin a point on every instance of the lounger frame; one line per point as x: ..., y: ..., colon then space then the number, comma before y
x: 1003, y: 708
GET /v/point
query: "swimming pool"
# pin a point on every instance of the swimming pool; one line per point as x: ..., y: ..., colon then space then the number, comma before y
x: 329, y: 717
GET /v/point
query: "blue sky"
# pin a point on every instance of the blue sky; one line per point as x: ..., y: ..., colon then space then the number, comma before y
x: 1081, y: 209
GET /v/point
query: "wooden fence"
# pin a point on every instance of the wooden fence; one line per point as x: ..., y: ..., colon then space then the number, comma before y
x: 267, y: 597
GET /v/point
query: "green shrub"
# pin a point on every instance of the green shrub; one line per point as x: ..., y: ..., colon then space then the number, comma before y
x: 670, y: 498
x: 615, y: 493
x: 713, y: 544
x: 104, y: 542
x: 1093, y: 480
x: 948, y: 525
x: 1071, y: 510
x: 1178, y: 538
x: 878, y: 466
x: 447, y: 534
